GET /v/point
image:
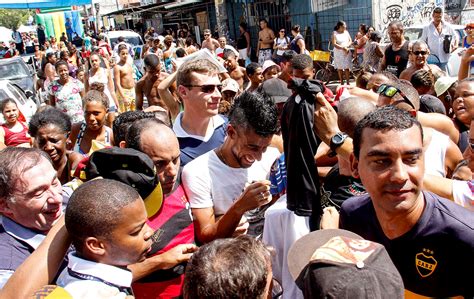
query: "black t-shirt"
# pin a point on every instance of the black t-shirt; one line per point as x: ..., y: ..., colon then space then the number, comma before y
x: 396, y: 60
x: 337, y: 188
x: 436, y: 257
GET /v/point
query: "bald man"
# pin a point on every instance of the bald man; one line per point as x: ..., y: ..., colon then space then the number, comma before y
x: 159, y: 142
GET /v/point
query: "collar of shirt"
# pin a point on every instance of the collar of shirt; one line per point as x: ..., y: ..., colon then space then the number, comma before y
x: 22, y: 233
x: 217, y: 121
x: 114, y: 275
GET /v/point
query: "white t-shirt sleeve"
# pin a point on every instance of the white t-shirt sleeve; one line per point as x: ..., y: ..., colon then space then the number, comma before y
x: 197, y: 183
x: 4, y: 277
x: 463, y: 193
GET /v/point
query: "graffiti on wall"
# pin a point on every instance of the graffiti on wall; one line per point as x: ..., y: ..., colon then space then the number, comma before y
x: 414, y: 12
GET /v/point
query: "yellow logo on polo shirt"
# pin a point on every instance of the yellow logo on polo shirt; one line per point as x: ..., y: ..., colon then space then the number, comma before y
x: 425, y: 263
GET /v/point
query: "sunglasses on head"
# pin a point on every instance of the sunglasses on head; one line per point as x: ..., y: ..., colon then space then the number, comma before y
x: 391, y: 91
x: 420, y: 52
x: 208, y: 88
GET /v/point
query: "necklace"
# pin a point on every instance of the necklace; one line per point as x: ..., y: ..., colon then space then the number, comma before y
x: 221, y: 156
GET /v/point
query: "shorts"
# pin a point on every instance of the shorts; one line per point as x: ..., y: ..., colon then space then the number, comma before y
x: 127, y: 103
x: 264, y: 55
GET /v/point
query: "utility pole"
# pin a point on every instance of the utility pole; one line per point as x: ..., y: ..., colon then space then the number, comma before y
x: 221, y: 16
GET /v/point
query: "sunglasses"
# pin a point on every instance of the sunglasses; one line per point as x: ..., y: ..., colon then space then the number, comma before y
x: 208, y: 88
x: 420, y: 52
x: 282, y: 31
x: 390, y: 91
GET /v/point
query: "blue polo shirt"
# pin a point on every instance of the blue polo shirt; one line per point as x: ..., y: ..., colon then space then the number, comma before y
x: 436, y: 257
x: 192, y: 146
x: 16, y: 244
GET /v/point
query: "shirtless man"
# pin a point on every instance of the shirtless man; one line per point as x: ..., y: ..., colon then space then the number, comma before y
x: 236, y: 72
x: 209, y: 43
x: 265, y: 42
x: 419, y: 55
x: 148, y: 84
x: 124, y: 82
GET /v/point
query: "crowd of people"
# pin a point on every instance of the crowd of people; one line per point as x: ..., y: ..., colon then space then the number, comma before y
x: 212, y: 176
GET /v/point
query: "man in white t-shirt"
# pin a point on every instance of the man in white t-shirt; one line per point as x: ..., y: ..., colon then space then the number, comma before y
x: 223, y: 45
x: 436, y: 34
x: 224, y: 184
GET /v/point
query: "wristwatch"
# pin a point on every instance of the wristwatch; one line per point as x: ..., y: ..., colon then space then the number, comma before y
x: 336, y: 141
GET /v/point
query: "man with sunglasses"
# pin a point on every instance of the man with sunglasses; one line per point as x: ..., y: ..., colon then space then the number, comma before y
x: 225, y: 184
x: 199, y: 127
x: 419, y: 54
x: 147, y: 86
x: 209, y: 42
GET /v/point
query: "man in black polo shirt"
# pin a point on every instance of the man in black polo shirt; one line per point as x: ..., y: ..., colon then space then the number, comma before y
x: 430, y: 239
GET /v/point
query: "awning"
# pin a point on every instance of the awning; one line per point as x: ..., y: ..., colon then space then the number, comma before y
x: 135, y: 9
x: 181, y: 3
x: 33, y: 4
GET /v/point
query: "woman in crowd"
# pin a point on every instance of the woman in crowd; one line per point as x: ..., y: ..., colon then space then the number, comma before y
x: 13, y: 132
x: 360, y: 42
x: 168, y: 53
x: 66, y: 93
x: 190, y: 48
x: 64, y: 56
x: 341, y: 39
x: 243, y: 45
x: 373, y: 54
x: 37, y: 58
x: 468, y: 40
x: 297, y: 44
x: 93, y: 129
x: 99, y: 78
x: 280, y: 44
x: 50, y: 128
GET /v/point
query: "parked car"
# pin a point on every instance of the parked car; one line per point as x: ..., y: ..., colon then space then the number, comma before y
x: 17, y: 71
x: 133, y: 39
x: 24, y: 100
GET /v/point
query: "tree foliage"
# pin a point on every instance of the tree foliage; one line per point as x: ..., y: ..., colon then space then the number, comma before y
x: 13, y: 18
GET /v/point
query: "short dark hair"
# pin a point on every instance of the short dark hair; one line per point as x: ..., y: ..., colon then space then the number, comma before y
x: 437, y: 10
x: 397, y: 24
x: 60, y: 63
x: 49, y: 116
x: 189, y: 41
x: 123, y: 122
x: 244, y: 26
x: 86, y: 216
x: 14, y: 161
x: 122, y: 47
x: 96, y: 96
x: 351, y: 111
x: 228, y: 268
x: 288, y: 55
x: 120, y: 38
x: 134, y: 134
x: 201, y: 66
x: 302, y: 62
x: 227, y: 53
x: 252, y: 68
x: 254, y: 111
x: 384, y: 119
x: 180, y: 52
x: 422, y: 78
x: 151, y: 61
x: 6, y: 101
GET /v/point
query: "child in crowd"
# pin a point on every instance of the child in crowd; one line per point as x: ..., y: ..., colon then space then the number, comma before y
x: 13, y: 132
x: 236, y: 72
x: 254, y: 72
x: 108, y: 234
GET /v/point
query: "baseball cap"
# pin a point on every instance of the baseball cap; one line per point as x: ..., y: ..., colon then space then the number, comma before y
x: 277, y: 89
x: 268, y: 64
x: 131, y: 167
x: 230, y: 84
x: 443, y: 84
x: 335, y: 263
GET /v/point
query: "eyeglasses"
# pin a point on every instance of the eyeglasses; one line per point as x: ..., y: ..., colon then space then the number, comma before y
x: 420, y: 52
x: 282, y: 31
x: 391, y: 91
x: 208, y: 88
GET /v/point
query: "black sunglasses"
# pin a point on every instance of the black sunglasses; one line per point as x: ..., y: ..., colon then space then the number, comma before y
x: 420, y: 52
x: 208, y: 88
